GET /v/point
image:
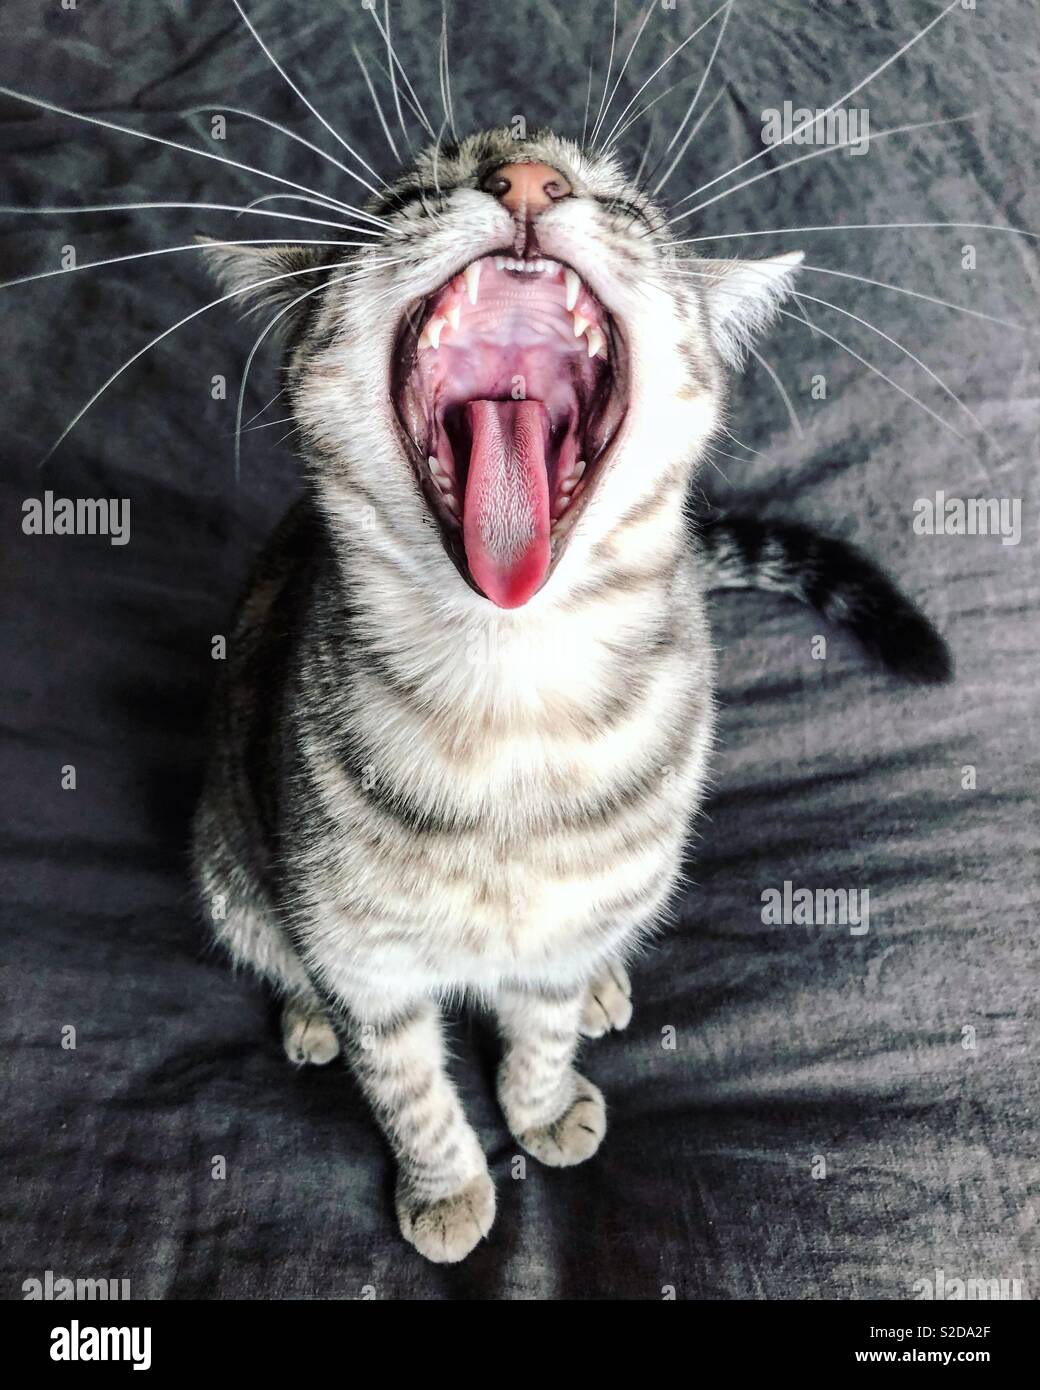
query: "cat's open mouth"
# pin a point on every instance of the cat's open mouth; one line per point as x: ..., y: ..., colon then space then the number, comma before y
x: 510, y: 383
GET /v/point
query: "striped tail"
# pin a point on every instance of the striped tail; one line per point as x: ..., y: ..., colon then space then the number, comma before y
x: 834, y: 578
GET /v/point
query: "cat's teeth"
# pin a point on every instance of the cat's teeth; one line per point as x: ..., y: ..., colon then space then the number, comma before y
x: 536, y: 266
x: 569, y: 488
x: 597, y: 342
x: 581, y: 323
x: 431, y: 334
x: 572, y: 280
x: 472, y: 276
x: 455, y: 318
x: 442, y: 478
x: 448, y: 498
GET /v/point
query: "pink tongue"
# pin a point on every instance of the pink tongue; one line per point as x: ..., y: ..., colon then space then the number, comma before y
x: 505, y: 523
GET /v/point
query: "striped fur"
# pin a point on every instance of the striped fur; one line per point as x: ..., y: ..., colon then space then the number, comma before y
x: 416, y: 796
x: 834, y: 578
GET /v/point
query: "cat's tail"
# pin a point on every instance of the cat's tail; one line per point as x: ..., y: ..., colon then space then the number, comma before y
x: 833, y: 577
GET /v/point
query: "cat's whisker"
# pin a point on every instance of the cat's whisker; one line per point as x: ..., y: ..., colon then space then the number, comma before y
x: 818, y: 154
x: 624, y: 66
x: 197, y: 207
x: 287, y: 308
x: 588, y: 103
x: 692, y: 107
x: 740, y: 443
x: 161, y: 140
x: 902, y: 289
x: 797, y: 318
x: 660, y: 68
x: 646, y: 149
x: 638, y: 116
x: 391, y: 58
x: 698, y: 123
x: 387, y: 73
x: 814, y: 328
x: 309, y: 104
x: 270, y: 403
x: 435, y: 174
x: 264, y: 425
x: 826, y: 303
x: 817, y: 117
x: 291, y: 135
x: 862, y: 227
x: 877, y: 372
x: 710, y: 449
x: 377, y: 104
x: 392, y: 62
x: 919, y: 294
x: 803, y: 313
x: 444, y: 72
x: 213, y: 303
x: 606, y: 80
x: 171, y: 250
x: 385, y: 228
x: 727, y: 453
x: 781, y: 389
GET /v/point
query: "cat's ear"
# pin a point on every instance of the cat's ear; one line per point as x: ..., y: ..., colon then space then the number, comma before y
x: 744, y: 298
x: 264, y: 277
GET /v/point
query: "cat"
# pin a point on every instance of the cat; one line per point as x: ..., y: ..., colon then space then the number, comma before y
x: 468, y: 705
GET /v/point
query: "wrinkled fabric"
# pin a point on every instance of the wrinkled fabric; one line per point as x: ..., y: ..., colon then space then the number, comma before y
x: 795, y: 1112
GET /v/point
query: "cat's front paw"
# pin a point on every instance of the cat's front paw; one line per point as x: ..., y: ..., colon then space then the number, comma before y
x: 575, y: 1135
x: 608, y: 1002
x: 446, y: 1230
x: 308, y: 1037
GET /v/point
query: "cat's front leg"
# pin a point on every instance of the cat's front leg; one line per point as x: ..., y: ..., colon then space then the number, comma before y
x: 551, y: 1109
x: 445, y: 1198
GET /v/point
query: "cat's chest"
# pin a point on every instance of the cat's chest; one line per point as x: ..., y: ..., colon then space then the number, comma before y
x: 517, y: 860
x: 497, y: 915
x: 515, y: 813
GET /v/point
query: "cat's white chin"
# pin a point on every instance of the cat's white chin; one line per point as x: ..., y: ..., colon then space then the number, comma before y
x: 510, y: 384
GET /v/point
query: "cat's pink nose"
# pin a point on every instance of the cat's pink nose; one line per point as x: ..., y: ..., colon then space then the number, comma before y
x: 527, y: 189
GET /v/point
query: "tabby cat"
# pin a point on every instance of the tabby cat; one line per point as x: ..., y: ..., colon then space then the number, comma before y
x: 468, y: 708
